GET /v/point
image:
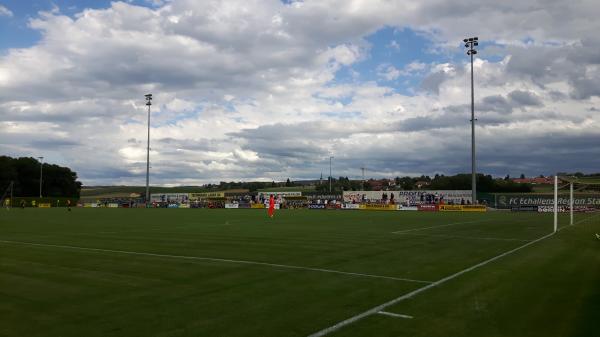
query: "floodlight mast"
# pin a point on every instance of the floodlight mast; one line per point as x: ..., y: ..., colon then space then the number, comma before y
x: 148, y: 103
x: 330, y: 177
x: 41, y: 173
x: 470, y: 43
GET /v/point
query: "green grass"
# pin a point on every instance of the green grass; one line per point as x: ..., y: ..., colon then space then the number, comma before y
x: 551, y: 288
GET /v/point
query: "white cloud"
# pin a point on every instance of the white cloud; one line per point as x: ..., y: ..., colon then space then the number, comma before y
x: 388, y: 72
x: 394, y: 45
x: 5, y: 11
x: 248, y: 89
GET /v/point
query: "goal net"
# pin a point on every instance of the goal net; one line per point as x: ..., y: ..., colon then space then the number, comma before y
x: 576, y: 201
x: 6, y: 198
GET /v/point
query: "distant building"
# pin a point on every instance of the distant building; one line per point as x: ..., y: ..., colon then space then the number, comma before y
x: 534, y: 181
x: 382, y: 184
x: 420, y: 184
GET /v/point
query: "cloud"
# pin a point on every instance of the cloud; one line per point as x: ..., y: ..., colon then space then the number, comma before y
x: 5, y: 11
x: 524, y: 98
x: 252, y: 89
x: 388, y: 72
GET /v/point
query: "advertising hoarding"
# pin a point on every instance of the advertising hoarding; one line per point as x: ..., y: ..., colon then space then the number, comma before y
x: 316, y: 206
x: 520, y: 200
x: 169, y: 197
x: 462, y: 208
x: 206, y: 195
x: 378, y: 207
x: 429, y: 196
x: 371, y: 196
x: 427, y: 208
x: 276, y: 195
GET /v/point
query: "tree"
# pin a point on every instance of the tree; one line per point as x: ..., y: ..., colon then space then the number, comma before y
x: 57, y: 181
x: 485, y: 183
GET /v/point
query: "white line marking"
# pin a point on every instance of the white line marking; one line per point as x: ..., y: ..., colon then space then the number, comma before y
x: 394, y: 315
x: 285, y: 266
x: 438, y: 226
x: 380, y: 307
x: 464, y: 237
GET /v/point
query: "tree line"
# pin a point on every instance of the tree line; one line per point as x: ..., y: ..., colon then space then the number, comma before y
x: 485, y: 183
x: 24, y: 172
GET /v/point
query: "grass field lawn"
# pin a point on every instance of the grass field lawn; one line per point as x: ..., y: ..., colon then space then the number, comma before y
x: 189, y: 272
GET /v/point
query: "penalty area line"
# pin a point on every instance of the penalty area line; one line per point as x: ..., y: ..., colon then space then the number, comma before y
x: 413, y: 293
x: 213, y: 259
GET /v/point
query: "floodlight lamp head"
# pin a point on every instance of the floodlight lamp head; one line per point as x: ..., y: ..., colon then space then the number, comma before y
x: 465, y: 40
x: 476, y: 44
x: 475, y: 38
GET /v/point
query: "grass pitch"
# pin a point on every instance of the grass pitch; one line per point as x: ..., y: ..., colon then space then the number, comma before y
x: 189, y: 272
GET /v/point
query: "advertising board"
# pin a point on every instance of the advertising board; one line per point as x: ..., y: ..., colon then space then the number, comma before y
x: 351, y: 206
x: 257, y: 206
x: 427, y: 208
x: 524, y: 209
x: 284, y: 194
x: 231, y: 205
x: 430, y: 196
x: 371, y: 196
x: 518, y: 200
x: 169, y: 197
x: 451, y: 208
x: 206, y: 195
x: 474, y: 208
x: 316, y: 206
x: 462, y: 208
x: 407, y: 208
x: 550, y: 209
x: 377, y: 207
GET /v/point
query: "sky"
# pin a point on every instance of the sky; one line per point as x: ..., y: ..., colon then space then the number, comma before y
x: 269, y: 90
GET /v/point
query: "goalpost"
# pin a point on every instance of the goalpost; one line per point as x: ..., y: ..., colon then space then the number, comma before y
x: 576, y: 200
x: 7, y: 196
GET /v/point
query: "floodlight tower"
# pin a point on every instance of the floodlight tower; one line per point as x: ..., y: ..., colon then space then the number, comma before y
x: 330, y: 176
x: 470, y: 43
x: 148, y: 103
x: 363, y: 176
x: 41, y: 170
